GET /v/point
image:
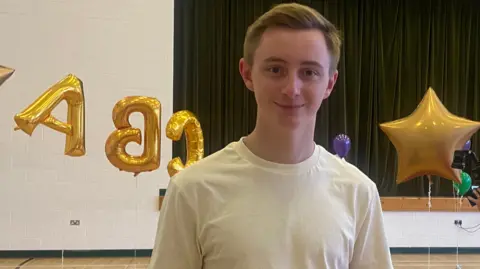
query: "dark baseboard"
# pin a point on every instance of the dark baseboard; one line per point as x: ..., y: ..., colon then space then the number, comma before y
x: 148, y: 252
x: 75, y: 253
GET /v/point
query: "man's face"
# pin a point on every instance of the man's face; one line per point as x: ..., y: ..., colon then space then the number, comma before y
x: 290, y: 76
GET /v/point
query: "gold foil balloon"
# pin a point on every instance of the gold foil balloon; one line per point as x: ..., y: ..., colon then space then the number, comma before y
x: 180, y: 122
x: 427, y: 139
x: 125, y: 133
x: 69, y: 89
x: 5, y: 73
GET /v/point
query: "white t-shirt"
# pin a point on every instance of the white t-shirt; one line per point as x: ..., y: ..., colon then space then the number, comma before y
x: 233, y: 210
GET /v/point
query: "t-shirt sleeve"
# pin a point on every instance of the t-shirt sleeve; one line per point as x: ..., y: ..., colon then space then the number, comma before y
x: 371, y: 248
x: 176, y: 245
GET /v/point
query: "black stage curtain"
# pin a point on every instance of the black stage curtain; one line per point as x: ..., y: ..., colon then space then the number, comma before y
x: 393, y: 51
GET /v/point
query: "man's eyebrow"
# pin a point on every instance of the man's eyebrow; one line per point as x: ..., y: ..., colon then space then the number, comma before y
x: 276, y: 59
x: 314, y: 63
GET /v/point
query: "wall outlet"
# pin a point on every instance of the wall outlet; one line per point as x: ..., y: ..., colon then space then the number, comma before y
x: 75, y: 222
x: 458, y: 222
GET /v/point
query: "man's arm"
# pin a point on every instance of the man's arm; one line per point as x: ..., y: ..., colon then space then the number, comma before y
x: 176, y: 245
x: 371, y: 248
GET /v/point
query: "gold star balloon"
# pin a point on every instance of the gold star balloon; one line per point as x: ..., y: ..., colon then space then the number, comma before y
x: 5, y: 73
x: 427, y: 139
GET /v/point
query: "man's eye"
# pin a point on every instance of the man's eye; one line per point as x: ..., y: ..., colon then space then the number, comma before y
x: 275, y: 70
x: 310, y: 73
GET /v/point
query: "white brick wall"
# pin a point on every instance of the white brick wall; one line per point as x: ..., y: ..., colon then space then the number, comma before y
x: 431, y: 229
x: 118, y: 48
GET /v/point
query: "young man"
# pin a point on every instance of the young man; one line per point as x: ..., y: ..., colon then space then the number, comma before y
x: 274, y: 199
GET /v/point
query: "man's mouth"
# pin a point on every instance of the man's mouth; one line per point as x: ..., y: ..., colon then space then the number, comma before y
x: 290, y: 106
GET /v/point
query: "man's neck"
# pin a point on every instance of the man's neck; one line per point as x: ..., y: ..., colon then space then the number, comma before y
x: 281, y: 147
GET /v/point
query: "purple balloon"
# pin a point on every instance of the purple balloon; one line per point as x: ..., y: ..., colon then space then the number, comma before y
x: 467, y: 145
x: 341, y: 145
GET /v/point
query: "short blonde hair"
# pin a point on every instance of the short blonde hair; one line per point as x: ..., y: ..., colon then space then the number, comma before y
x: 293, y: 16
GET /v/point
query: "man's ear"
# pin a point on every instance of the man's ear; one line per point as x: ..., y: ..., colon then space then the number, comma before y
x: 246, y: 73
x: 331, y: 83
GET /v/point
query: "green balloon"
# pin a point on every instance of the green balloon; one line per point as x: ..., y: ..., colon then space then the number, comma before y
x: 465, y: 186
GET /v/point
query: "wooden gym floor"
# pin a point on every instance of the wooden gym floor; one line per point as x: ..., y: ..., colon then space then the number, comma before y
x: 401, y: 261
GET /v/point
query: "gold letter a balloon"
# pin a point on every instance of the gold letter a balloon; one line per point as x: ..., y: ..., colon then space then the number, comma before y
x: 427, y: 139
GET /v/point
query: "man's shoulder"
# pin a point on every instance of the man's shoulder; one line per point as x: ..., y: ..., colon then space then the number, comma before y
x: 346, y: 172
x: 210, y: 167
x: 354, y: 182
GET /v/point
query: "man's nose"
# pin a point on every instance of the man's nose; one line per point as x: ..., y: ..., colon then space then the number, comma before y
x: 293, y: 86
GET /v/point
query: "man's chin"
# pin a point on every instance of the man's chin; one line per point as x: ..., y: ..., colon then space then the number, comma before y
x: 291, y: 122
